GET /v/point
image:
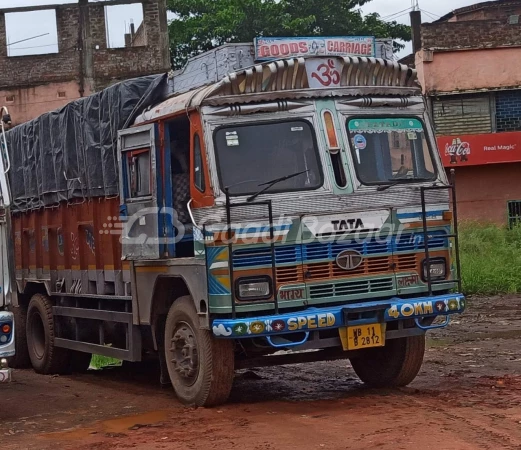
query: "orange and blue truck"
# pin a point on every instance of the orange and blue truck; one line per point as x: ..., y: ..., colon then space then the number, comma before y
x: 213, y: 217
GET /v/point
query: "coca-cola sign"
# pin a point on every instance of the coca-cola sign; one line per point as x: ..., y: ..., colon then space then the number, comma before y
x: 476, y: 149
x: 458, y: 149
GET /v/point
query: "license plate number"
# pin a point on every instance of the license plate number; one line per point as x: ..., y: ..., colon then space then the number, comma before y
x: 363, y: 336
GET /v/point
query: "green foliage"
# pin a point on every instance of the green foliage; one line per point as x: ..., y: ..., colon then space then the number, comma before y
x: 490, y: 259
x: 99, y: 362
x: 201, y: 25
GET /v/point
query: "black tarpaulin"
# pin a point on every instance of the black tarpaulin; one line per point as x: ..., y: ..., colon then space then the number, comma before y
x: 71, y: 153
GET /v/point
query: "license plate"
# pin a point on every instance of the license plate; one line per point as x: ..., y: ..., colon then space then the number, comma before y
x: 362, y: 336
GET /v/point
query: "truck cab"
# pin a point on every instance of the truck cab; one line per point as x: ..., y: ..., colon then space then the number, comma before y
x: 320, y: 217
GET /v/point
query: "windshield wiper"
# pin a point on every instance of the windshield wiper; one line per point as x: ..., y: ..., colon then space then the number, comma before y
x: 270, y: 184
x: 387, y: 186
x: 401, y: 181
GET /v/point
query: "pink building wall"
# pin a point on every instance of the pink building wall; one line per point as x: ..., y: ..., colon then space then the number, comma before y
x: 26, y: 103
x: 461, y: 70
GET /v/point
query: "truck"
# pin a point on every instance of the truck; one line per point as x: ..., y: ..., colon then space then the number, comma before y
x: 7, y: 331
x: 236, y: 215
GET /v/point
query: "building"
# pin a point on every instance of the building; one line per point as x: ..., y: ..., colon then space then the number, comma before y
x: 33, y: 84
x: 469, y: 65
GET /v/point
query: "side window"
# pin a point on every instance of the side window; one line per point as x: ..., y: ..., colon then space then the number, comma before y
x: 334, y: 149
x: 200, y: 182
x: 138, y: 163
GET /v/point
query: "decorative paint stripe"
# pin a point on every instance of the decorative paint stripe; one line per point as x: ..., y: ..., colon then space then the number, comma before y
x: 261, y: 234
x: 215, y: 286
x: 408, y: 215
x: 219, y: 265
x: 250, y: 229
x: 152, y: 269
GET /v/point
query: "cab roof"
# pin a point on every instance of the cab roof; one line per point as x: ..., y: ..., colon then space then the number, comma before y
x: 291, y: 79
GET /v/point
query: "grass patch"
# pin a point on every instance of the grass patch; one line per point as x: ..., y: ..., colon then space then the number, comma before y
x: 490, y: 259
x: 100, y: 362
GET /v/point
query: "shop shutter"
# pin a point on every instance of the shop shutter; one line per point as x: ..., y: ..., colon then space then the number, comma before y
x: 462, y: 114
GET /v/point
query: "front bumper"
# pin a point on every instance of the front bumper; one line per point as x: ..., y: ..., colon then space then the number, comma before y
x: 315, y: 319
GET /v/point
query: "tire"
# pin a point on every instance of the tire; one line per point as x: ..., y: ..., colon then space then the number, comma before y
x: 21, y: 358
x: 41, y: 332
x: 200, y: 367
x: 394, y: 365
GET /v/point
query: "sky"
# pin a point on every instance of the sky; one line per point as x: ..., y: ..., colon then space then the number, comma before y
x: 42, y: 24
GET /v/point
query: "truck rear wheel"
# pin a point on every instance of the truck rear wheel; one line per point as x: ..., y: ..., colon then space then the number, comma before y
x: 21, y: 358
x: 41, y: 332
x: 394, y: 365
x: 201, y: 368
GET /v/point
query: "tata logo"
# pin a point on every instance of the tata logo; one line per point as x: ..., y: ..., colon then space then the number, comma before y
x: 347, y: 225
x: 349, y: 259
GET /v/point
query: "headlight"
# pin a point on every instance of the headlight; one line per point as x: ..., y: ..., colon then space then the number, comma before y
x: 437, y: 268
x: 258, y: 288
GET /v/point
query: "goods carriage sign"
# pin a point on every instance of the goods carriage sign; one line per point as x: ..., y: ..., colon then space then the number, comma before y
x: 267, y: 49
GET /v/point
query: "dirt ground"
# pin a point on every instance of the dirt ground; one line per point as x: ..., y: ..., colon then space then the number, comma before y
x: 467, y: 396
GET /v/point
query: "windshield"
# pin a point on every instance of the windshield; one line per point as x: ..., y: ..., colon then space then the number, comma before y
x: 250, y: 155
x: 390, y: 150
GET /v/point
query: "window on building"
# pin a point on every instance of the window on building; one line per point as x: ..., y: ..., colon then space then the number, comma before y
x: 514, y: 213
x: 31, y: 33
x: 125, y: 26
x: 462, y: 114
x: 508, y: 110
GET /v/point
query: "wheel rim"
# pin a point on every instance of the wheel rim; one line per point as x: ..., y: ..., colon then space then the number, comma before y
x: 184, y: 355
x: 38, y: 335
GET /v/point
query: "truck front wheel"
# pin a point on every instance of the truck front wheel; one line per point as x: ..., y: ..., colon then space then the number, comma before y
x: 201, y: 368
x: 41, y: 332
x: 394, y: 365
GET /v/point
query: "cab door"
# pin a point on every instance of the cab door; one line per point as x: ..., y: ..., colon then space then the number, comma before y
x: 143, y: 232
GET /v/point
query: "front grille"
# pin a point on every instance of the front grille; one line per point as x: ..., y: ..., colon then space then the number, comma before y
x: 329, y: 250
x: 355, y: 287
x: 329, y: 269
x: 291, y: 274
x: 261, y: 256
x: 408, y: 262
x: 369, y: 266
x: 415, y: 242
x: 293, y: 254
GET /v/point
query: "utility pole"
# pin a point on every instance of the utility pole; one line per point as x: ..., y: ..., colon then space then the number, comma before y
x: 416, y: 22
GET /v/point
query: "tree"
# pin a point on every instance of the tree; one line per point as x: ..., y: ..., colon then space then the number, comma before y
x: 201, y: 25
